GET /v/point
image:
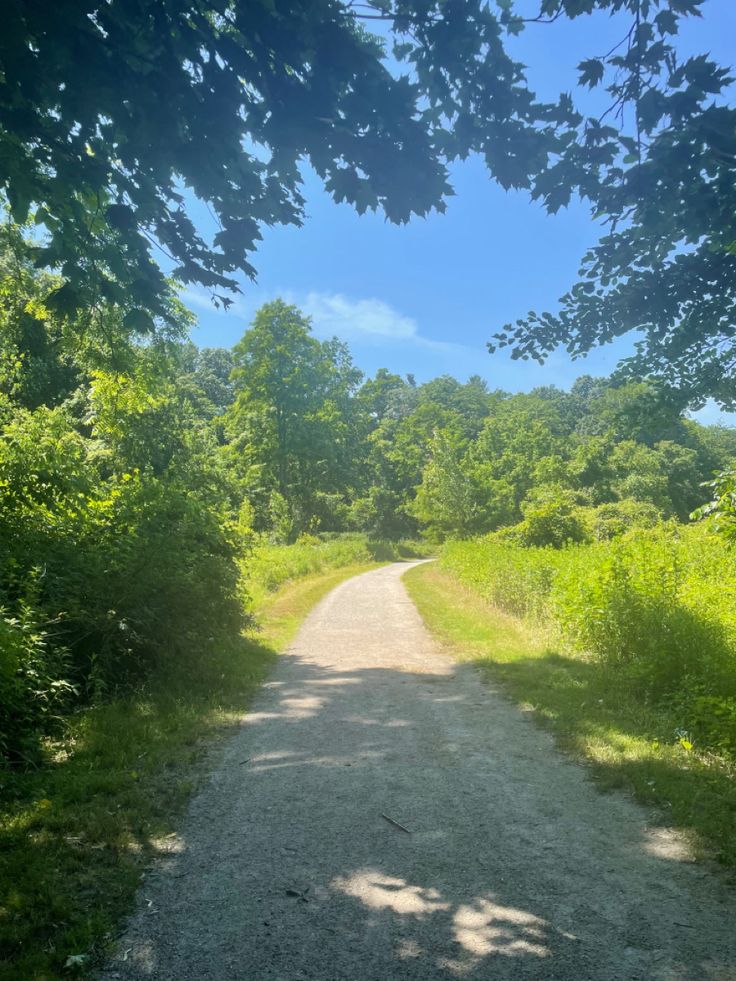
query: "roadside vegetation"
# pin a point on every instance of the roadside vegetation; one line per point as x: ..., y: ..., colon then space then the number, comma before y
x: 625, y: 648
x: 155, y: 496
x: 79, y: 829
x: 269, y: 565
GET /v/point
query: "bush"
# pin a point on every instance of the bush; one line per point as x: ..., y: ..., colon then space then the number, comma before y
x: 611, y: 520
x: 135, y: 570
x: 33, y: 687
x: 551, y: 517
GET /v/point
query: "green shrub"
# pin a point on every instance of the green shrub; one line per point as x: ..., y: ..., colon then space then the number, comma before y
x: 33, y: 687
x: 613, y: 519
x: 710, y: 718
x: 551, y: 517
x: 136, y: 571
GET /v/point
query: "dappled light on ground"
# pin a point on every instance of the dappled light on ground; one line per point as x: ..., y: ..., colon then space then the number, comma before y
x: 383, y: 815
x: 482, y: 927
x: 378, y: 891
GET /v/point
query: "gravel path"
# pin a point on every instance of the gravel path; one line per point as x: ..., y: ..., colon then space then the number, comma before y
x: 513, y: 865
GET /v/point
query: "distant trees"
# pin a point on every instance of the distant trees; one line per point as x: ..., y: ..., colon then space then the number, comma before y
x: 556, y: 466
x: 316, y: 449
x: 136, y: 471
x: 294, y: 421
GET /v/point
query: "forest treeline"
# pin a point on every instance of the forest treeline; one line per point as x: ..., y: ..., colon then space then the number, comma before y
x: 140, y: 473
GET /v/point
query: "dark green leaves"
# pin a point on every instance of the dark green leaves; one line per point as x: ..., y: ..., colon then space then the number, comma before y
x: 108, y: 111
x: 64, y: 301
x: 659, y: 169
x: 667, y: 22
x: 138, y: 321
x: 591, y: 72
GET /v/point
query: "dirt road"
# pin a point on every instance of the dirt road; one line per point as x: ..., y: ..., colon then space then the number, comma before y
x: 512, y: 865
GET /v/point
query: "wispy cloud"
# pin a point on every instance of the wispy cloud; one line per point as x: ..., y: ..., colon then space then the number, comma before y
x: 361, y: 319
x: 334, y: 313
x: 368, y: 319
x: 201, y: 300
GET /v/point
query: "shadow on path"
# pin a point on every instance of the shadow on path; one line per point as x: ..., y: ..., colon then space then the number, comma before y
x: 512, y: 866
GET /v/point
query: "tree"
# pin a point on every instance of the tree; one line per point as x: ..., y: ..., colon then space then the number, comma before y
x: 380, y: 394
x: 658, y: 168
x: 36, y: 367
x: 204, y: 373
x: 292, y: 421
x: 111, y: 112
x: 521, y: 432
x: 634, y: 410
x: 444, y: 501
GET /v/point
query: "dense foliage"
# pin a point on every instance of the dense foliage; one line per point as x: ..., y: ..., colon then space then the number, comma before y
x: 117, y: 549
x: 144, y: 483
x: 114, y: 117
x: 658, y: 165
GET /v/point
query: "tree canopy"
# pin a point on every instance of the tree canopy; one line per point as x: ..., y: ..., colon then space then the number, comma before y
x: 659, y: 169
x: 111, y: 113
x: 113, y: 116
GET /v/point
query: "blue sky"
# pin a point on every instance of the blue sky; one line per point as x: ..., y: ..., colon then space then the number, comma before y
x: 424, y: 298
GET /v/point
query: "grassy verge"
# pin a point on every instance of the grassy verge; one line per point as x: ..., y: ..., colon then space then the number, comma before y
x: 270, y: 566
x: 629, y: 745
x: 77, y: 833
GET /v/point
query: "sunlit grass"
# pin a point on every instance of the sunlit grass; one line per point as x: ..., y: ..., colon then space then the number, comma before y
x: 77, y: 833
x: 627, y: 744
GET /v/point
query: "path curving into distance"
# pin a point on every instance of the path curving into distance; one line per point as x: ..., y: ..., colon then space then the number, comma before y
x: 512, y: 865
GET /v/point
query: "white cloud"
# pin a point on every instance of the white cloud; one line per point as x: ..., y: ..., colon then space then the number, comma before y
x: 334, y: 313
x: 369, y: 320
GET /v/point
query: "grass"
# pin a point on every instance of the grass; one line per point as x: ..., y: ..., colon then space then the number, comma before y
x: 77, y: 834
x: 628, y: 745
x: 270, y: 566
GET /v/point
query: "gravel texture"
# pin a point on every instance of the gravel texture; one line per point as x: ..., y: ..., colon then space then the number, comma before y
x: 512, y: 866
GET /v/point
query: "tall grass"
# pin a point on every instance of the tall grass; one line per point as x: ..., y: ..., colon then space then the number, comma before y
x: 270, y: 566
x: 656, y: 609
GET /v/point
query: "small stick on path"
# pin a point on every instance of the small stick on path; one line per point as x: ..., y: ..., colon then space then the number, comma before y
x: 395, y: 823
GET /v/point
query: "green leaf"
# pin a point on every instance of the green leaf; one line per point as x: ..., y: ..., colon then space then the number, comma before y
x: 591, y: 72
x: 139, y: 321
x: 66, y: 300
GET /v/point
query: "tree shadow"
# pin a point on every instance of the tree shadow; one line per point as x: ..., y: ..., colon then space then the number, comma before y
x: 379, y: 823
x: 77, y: 829
x: 629, y: 743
